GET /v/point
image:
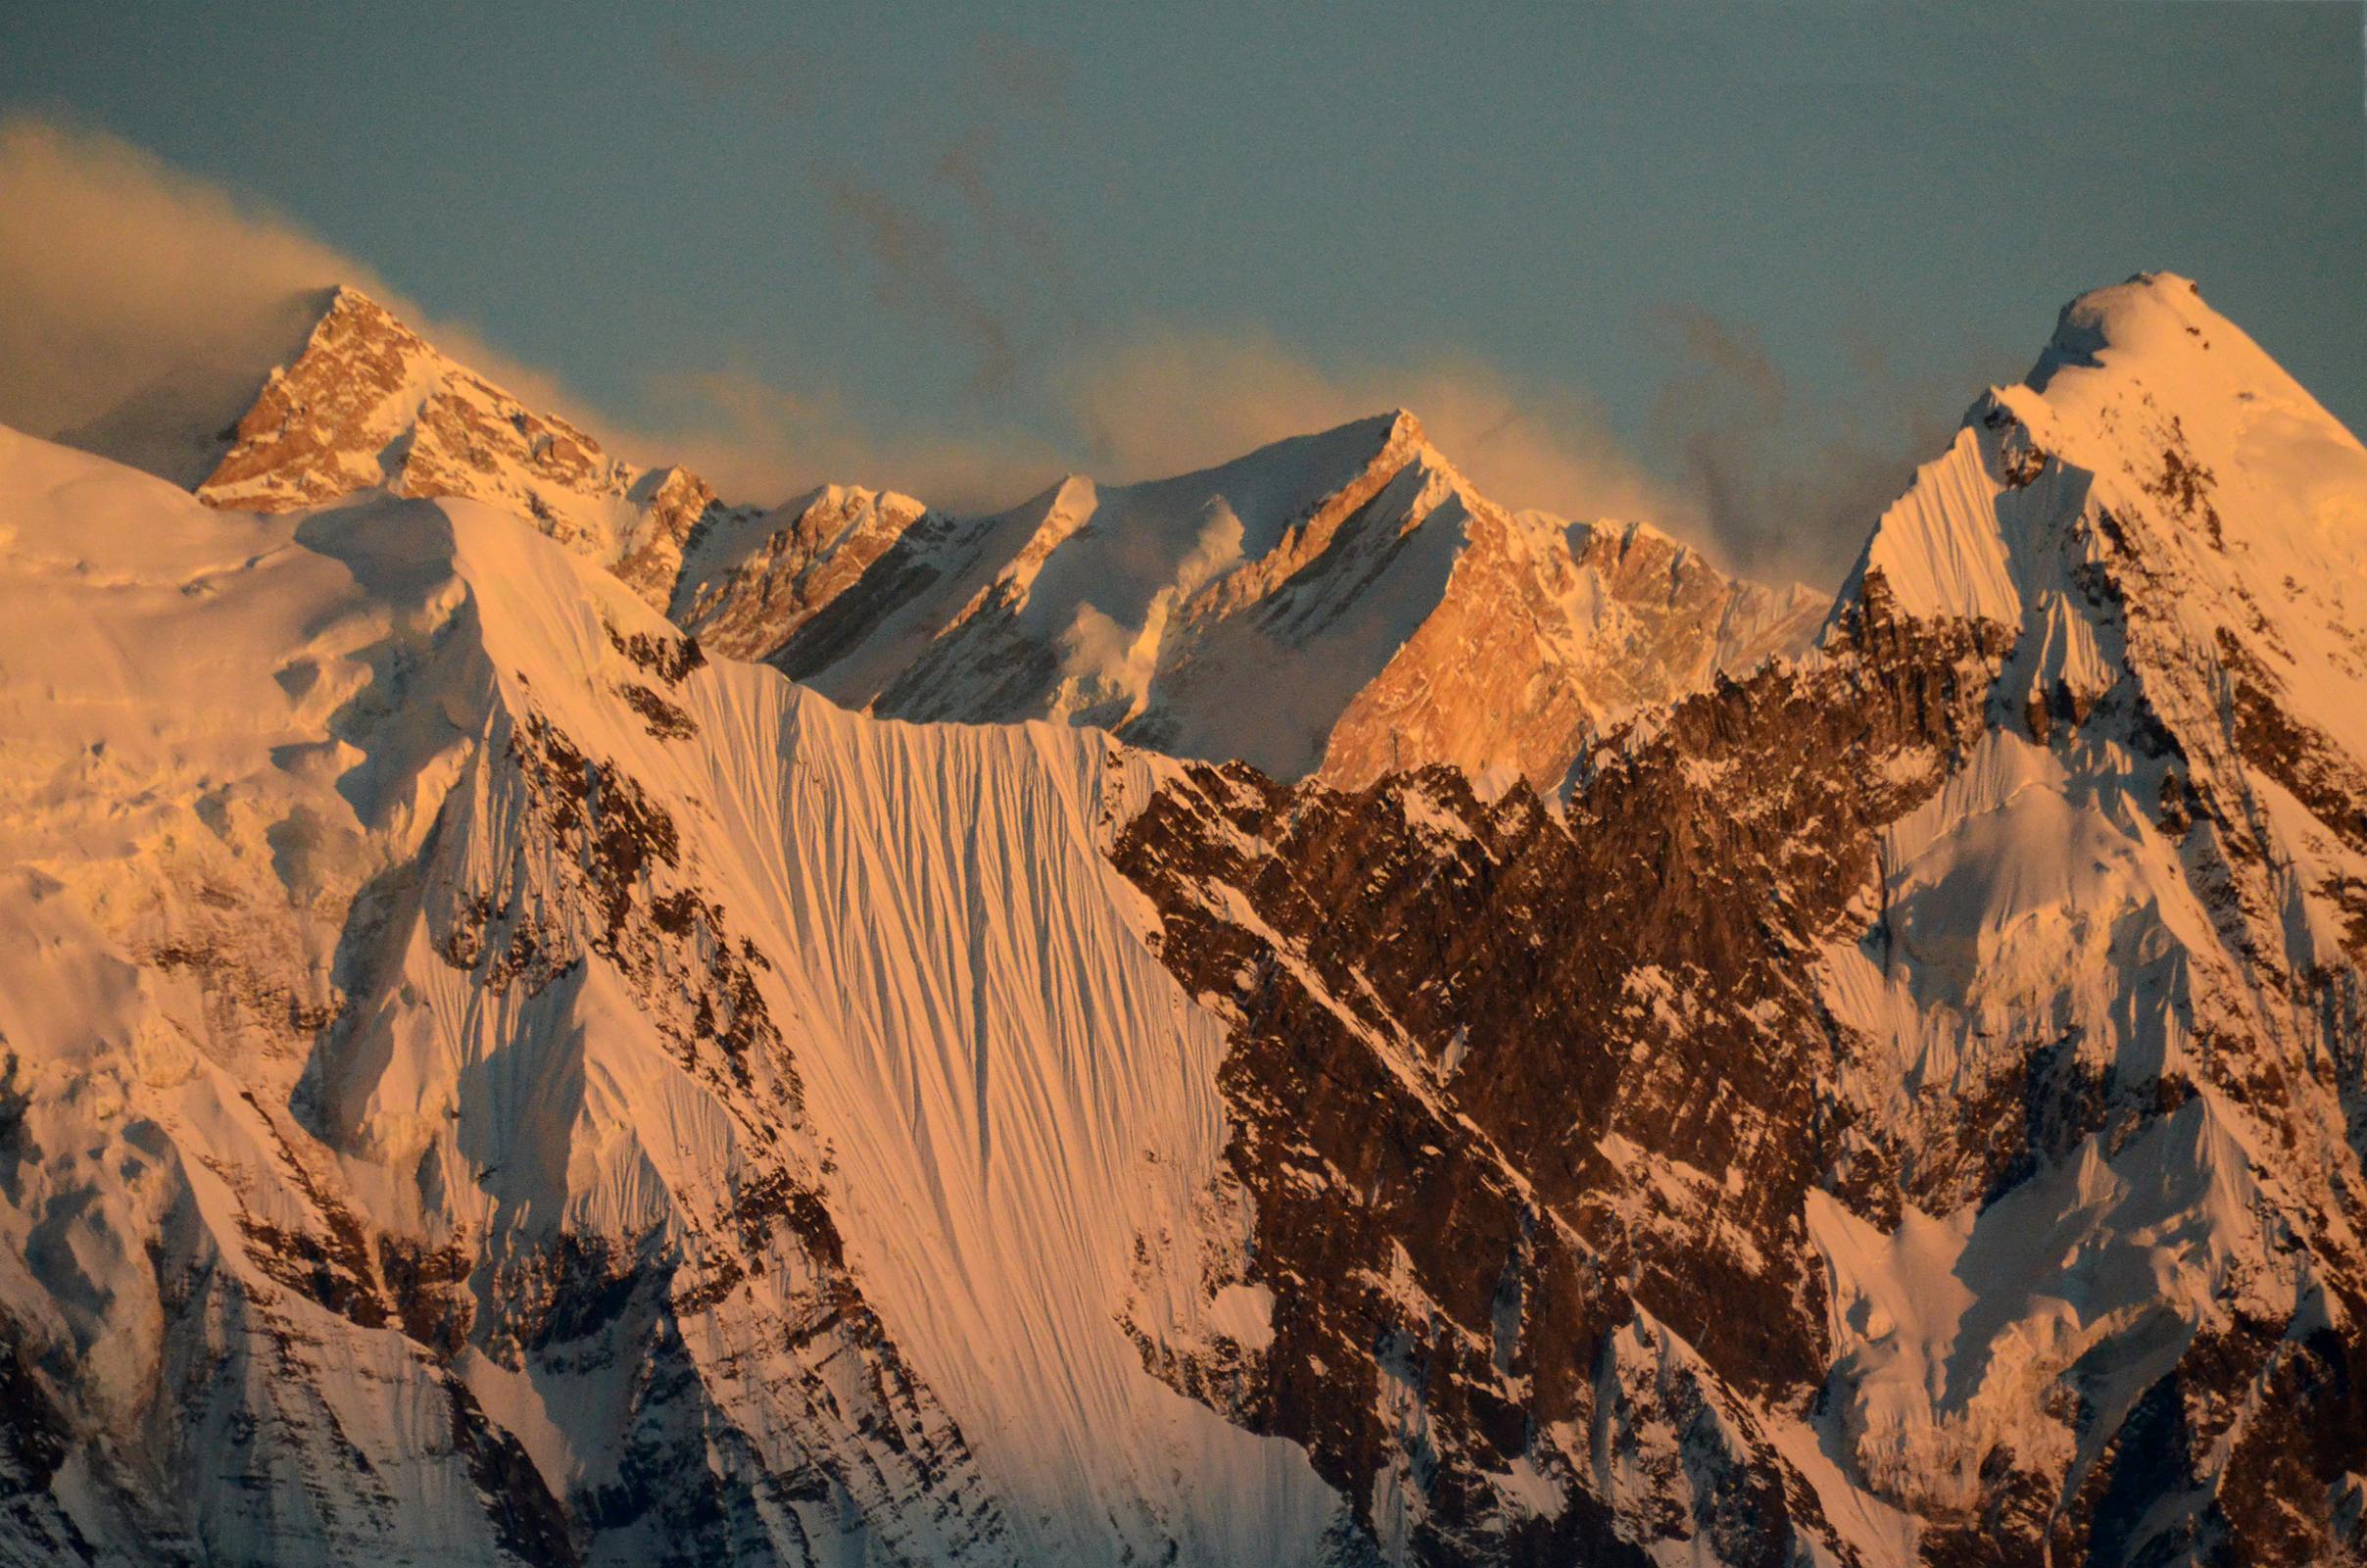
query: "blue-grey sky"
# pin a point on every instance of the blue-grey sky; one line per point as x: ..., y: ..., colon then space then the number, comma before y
x: 1758, y: 255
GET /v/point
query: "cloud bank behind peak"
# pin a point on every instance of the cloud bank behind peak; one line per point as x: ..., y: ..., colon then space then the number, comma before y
x: 148, y: 303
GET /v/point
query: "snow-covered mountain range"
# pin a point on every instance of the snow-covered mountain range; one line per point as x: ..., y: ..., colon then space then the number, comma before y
x: 1441, y: 1051
x: 1344, y: 603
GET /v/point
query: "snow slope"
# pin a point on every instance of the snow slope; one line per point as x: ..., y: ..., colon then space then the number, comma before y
x: 430, y: 920
x: 2146, y: 877
x: 483, y: 1079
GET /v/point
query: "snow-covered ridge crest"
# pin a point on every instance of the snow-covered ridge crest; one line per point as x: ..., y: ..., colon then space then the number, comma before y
x: 487, y: 1080
x: 2178, y: 533
x: 371, y: 405
x: 2147, y: 391
x: 368, y: 405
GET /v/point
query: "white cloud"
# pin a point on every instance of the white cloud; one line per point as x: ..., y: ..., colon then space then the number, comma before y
x: 1165, y: 400
x: 122, y: 272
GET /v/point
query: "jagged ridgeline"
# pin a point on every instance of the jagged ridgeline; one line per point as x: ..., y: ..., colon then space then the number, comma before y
x: 1471, y: 1039
x: 1411, y: 619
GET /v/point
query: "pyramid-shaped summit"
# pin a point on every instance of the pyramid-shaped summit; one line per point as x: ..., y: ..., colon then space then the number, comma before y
x: 485, y: 1084
x: 368, y: 404
x: 1345, y: 604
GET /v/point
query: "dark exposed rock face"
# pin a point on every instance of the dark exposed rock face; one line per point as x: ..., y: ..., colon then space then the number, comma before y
x: 1449, y: 1010
x: 748, y: 583
x: 890, y: 582
x: 1530, y: 1108
x: 35, y: 1439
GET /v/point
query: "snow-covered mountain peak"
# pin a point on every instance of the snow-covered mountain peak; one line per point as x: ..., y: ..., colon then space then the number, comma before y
x: 1287, y: 480
x: 2153, y: 427
x: 848, y: 497
x: 1249, y: 609
x: 2158, y: 320
x: 2175, y: 535
x: 1633, y: 546
x: 1397, y: 430
x: 2026, y: 920
x: 488, y: 1079
x: 325, y: 419
x: 1344, y: 602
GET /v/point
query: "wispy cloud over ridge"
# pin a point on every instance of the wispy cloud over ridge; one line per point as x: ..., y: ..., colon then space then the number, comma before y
x: 1780, y: 479
x: 124, y: 272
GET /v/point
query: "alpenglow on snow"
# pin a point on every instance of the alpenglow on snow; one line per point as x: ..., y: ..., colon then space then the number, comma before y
x: 1284, y: 1014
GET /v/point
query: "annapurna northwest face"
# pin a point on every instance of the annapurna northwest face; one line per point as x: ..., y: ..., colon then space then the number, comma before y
x: 1441, y: 1053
